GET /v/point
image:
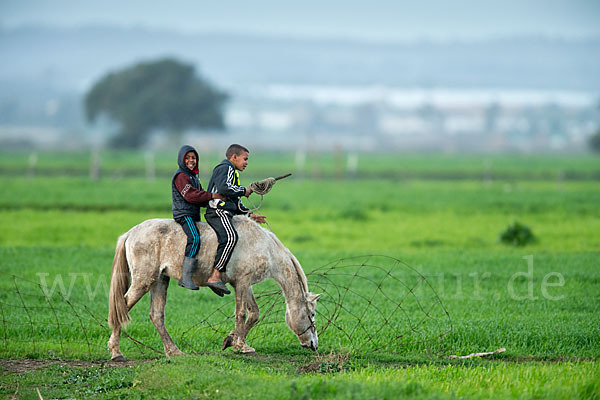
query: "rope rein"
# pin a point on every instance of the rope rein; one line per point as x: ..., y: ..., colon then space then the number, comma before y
x: 261, y: 188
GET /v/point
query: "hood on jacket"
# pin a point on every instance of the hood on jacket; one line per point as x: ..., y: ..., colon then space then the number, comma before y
x: 186, y: 148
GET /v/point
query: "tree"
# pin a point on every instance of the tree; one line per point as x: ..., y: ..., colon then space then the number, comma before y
x: 163, y: 94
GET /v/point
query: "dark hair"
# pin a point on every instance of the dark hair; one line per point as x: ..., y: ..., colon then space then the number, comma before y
x: 237, y: 149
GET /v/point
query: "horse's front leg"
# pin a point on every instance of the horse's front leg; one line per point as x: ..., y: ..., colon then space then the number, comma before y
x: 244, y: 300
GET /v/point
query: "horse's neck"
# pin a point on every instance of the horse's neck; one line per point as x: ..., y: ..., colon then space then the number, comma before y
x: 289, y: 281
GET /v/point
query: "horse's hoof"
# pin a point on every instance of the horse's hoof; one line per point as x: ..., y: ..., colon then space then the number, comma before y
x: 228, y: 342
x: 247, y: 350
x: 119, y: 358
x: 176, y: 353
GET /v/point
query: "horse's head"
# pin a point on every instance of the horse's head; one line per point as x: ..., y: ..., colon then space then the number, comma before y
x: 301, y: 320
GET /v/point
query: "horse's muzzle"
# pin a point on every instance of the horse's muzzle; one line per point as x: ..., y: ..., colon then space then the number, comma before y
x: 310, y: 345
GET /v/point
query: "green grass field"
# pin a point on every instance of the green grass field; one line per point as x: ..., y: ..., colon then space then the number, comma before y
x: 442, y: 215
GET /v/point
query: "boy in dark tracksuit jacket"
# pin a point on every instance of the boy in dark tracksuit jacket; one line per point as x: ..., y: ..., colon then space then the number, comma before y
x: 225, y: 180
x: 188, y: 197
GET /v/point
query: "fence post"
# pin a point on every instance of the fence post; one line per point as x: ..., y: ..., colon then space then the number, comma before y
x: 338, y: 161
x: 150, y: 166
x: 95, y: 162
x: 300, y: 163
x: 352, y: 165
x: 32, y: 163
x: 487, y: 171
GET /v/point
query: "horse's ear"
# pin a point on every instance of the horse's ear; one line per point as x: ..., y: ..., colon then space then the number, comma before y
x: 314, y: 297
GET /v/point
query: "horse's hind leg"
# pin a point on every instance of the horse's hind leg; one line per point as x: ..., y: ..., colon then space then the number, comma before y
x: 114, y: 345
x: 133, y: 295
x: 158, y: 299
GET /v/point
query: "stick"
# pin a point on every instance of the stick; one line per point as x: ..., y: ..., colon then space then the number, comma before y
x: 282, y: 176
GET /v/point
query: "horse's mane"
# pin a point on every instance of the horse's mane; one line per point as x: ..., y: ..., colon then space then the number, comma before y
x: 299, y: 270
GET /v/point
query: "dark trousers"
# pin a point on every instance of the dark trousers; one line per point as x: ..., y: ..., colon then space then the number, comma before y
x: 193, y: 236
x: 227, y: 236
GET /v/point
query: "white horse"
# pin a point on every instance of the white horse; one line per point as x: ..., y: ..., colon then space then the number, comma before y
x: 151, y: 253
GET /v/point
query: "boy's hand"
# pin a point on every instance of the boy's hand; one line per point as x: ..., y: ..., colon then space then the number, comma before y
x: 261, y: 219
x: 248, y: 192
x: 219, y: 196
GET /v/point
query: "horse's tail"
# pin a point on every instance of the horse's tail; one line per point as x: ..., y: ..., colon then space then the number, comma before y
x: 118, y: 314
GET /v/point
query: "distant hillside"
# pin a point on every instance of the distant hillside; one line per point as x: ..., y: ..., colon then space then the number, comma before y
x: 71, y: 59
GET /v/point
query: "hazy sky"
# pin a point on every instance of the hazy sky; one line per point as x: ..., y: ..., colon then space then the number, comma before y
x: 368, y: 20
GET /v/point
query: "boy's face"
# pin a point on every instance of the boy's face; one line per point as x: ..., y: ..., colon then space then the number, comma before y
x: 240, y: 161
x: 190, y: 160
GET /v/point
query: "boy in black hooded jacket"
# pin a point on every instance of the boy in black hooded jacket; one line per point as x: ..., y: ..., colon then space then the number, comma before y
x: 225, y: 180
x: 188, y: 197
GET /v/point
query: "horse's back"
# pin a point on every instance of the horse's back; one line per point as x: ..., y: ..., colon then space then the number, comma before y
x: 157, y: 246
x: 163, y: 232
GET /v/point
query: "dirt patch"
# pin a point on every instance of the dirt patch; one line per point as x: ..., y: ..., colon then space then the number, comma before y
x: 327, y: 363
x: 17, y: 366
